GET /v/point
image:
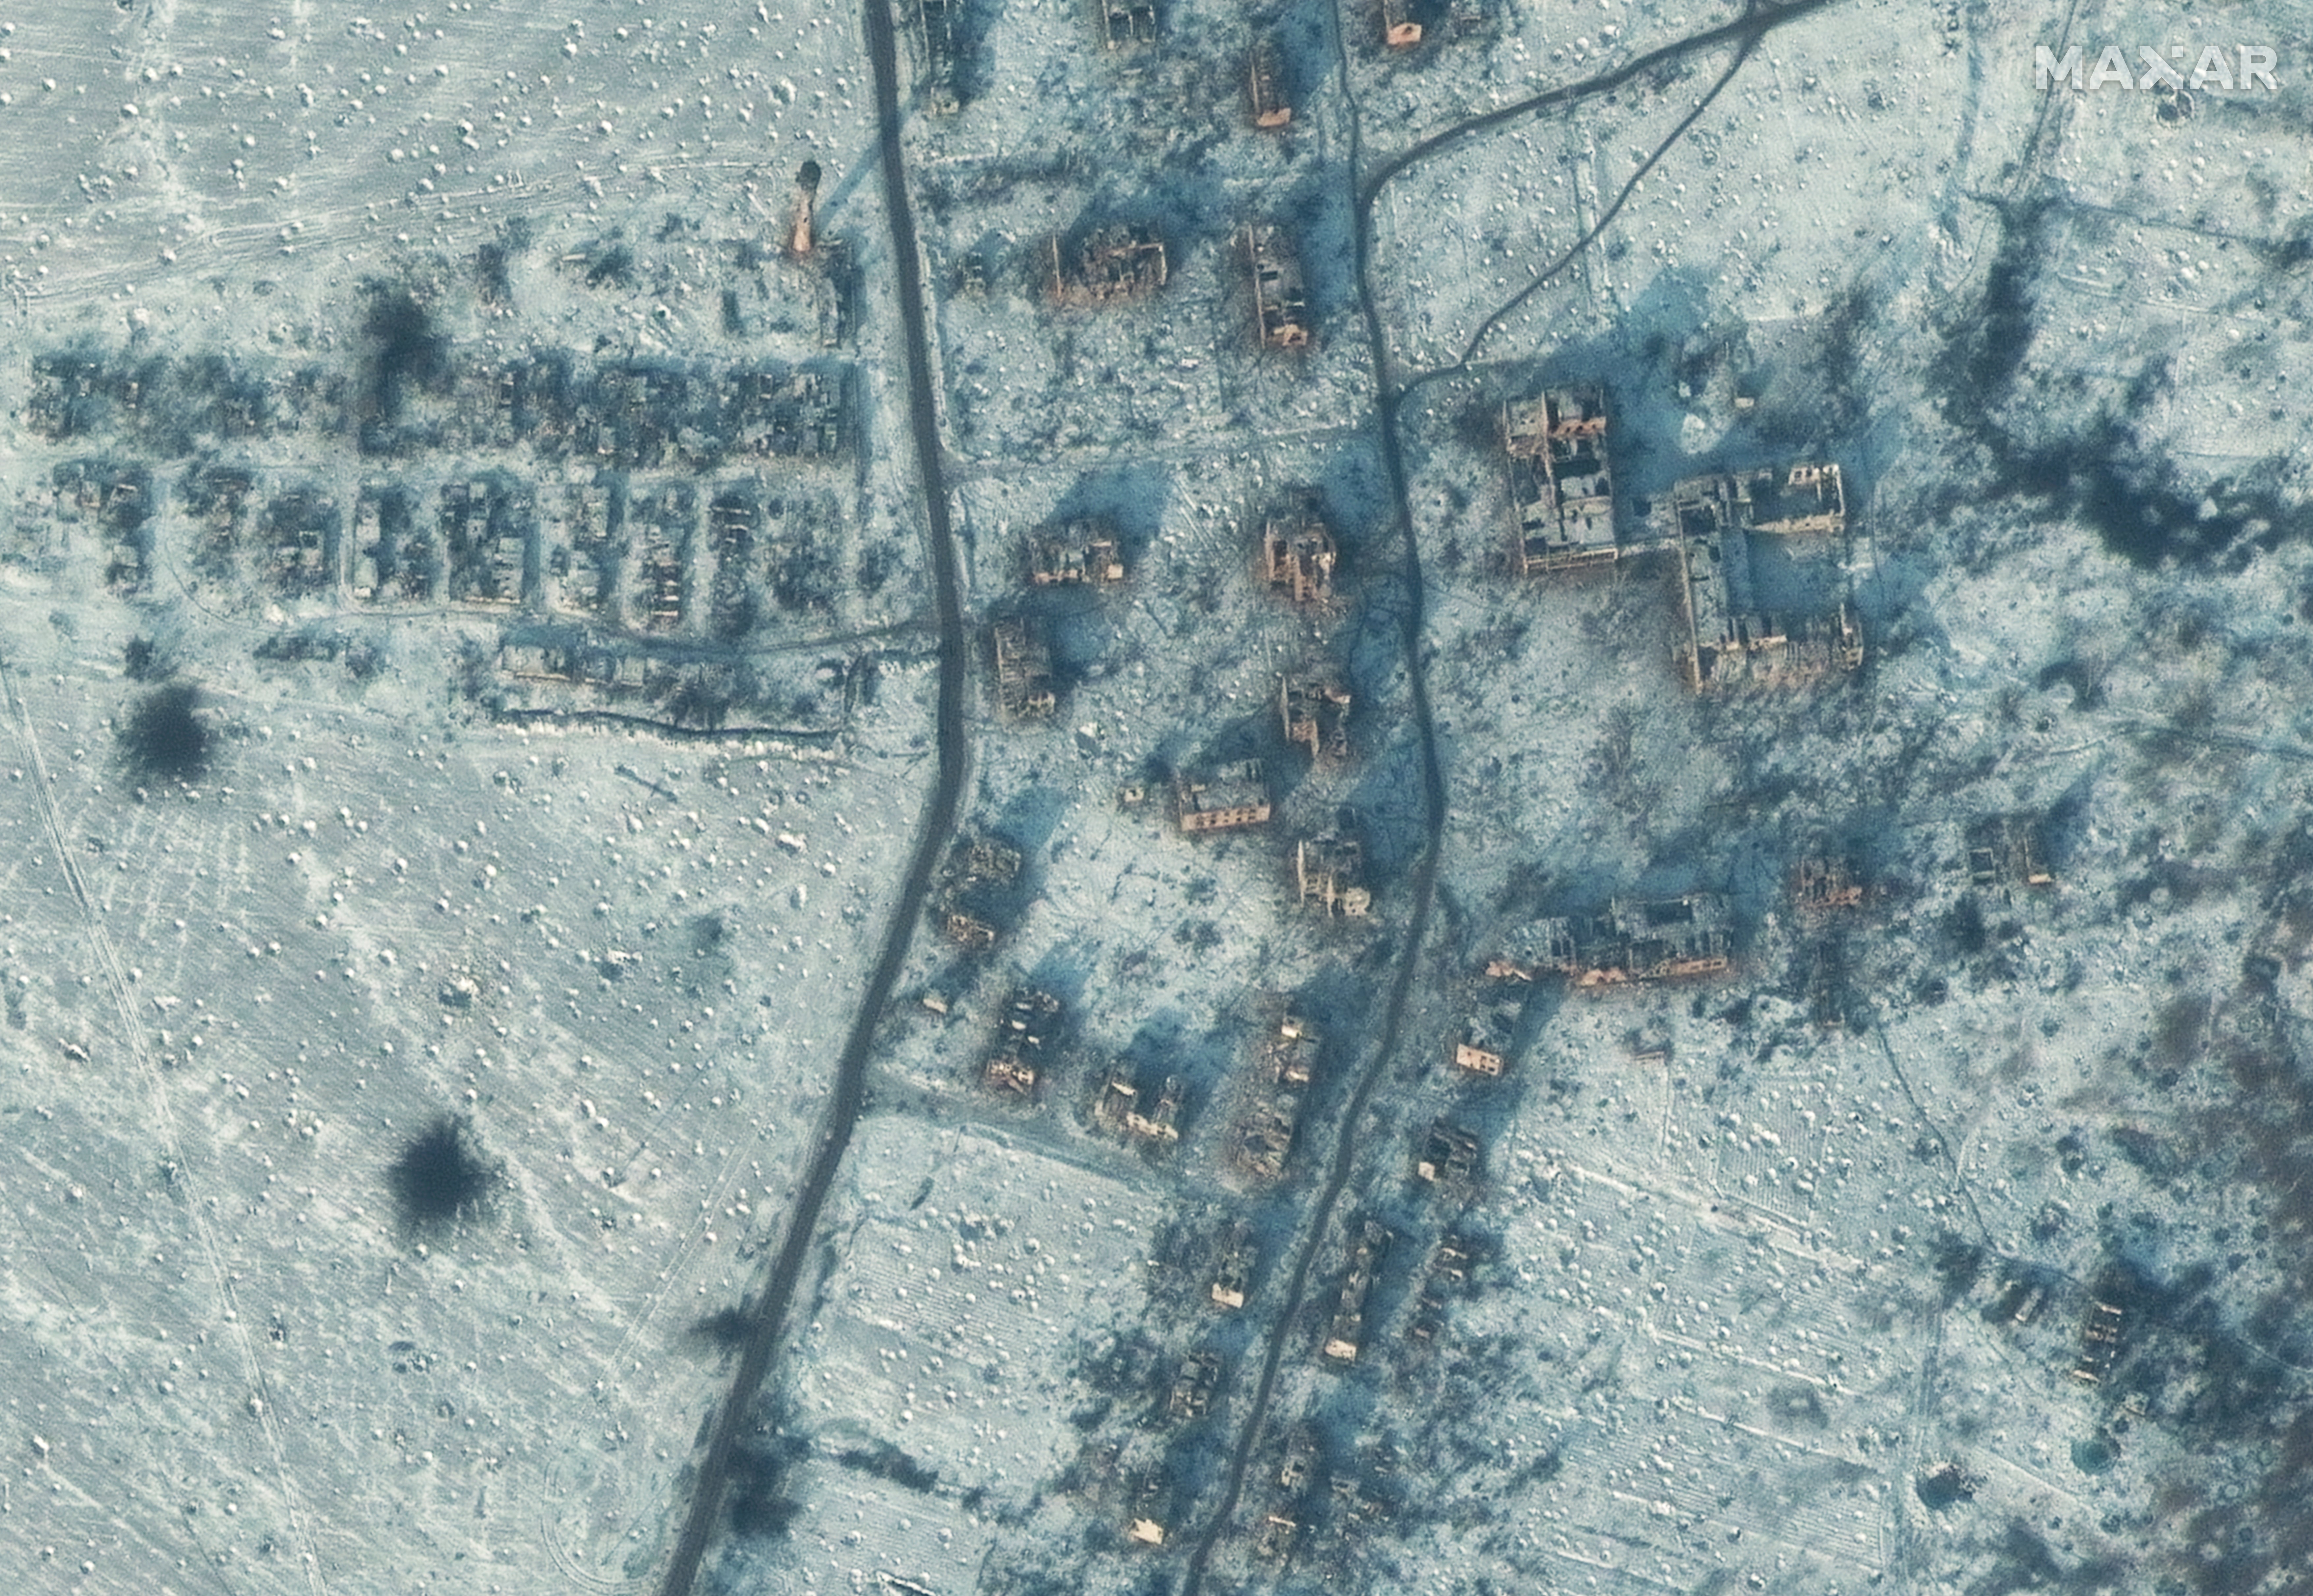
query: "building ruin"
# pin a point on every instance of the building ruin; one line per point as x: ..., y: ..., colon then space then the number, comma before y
x: 1280, y: 305
x: 1121, y: 1106
x: 1024, y: 1032
x: 1080, y: 554
x: 1635, y: 942
x: 1298, y: 554
x: 1316, y: 710
x: 1329, y: 869
x: 1224, y: 798
x: 1731, y: 637
x: 1345, y: 1331
x: 1562, y: 490
x: 1024, y: 689
x: 1115, y: 266
x: 1266, y: 87
x: 1449, y: 1155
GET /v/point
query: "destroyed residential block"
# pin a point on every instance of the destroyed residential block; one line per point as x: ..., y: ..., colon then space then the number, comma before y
x: 988, y: 862
x: 1728, y: 639
x: 1315, y: 708
x: 1115, y: 266
x: 1281, y: 304
x: 1449, y: 1155
x: 1024, y: 672
x: 1267, y: 87
x: 1083, y: 553
x: 1635, y: 942
x: 1226, y: 798
x: 1345, y: 1333
x: 1329, y: 870
x: 1562, y: 491
x: 1265, y: 1132
x: 1297, y: 555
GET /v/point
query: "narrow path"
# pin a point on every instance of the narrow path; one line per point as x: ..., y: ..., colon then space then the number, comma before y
x: 767, y: 1317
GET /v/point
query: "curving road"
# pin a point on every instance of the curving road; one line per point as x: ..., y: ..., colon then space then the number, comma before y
x: 767, y: 1317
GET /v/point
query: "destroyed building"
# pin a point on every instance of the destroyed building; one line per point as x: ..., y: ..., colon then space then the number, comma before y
x: 1826, y: 884
x: 1233, y: 1271
x: 1483, y: 1048
x: 1024, y: 689
x: 1399, y: 30
x: 1562, y: 491
x: 1025, y: 1030
x: 1190, y: 1396
x: 1280, y: 305
x: 942, y: 97
x: 2099, y: 1343
x: 1634, y: 942
x: 1449, y: 1155
x: 1125, y: 23
x: 1266, y: 87
x: 1287, y: 1062
x: 2002, y: 849
x: 1115, y: 266
x: 1121, y: 1106
x: 1297, y: 555
x: 1345, y: 1331
x: 1731, y: 636
x: 1329, y: 870
x: 1083, y: 553
x: 1224, y: 798
x: 1315, y: 710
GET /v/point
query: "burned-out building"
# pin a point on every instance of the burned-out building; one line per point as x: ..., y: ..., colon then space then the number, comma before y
x: 1345, y: 1331
x: 1298, y: 554
x: 1024, y: 689
x: 1280, y: 305
x: 1734, y: 632
x: 1399, y: 30
x: 1562, y: 491
x: 1329, y: 871
x: 1635, y: 942
x: 1266, y: 87
x: 1314, y: 707
x: 1115, y: 266
x: 1080, y: 554
x: 484, y: 526
x: 1223, y: 798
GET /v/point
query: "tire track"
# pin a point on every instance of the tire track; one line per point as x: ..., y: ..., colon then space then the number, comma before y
x: 172, y: 1143
x: 766, y: 1318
